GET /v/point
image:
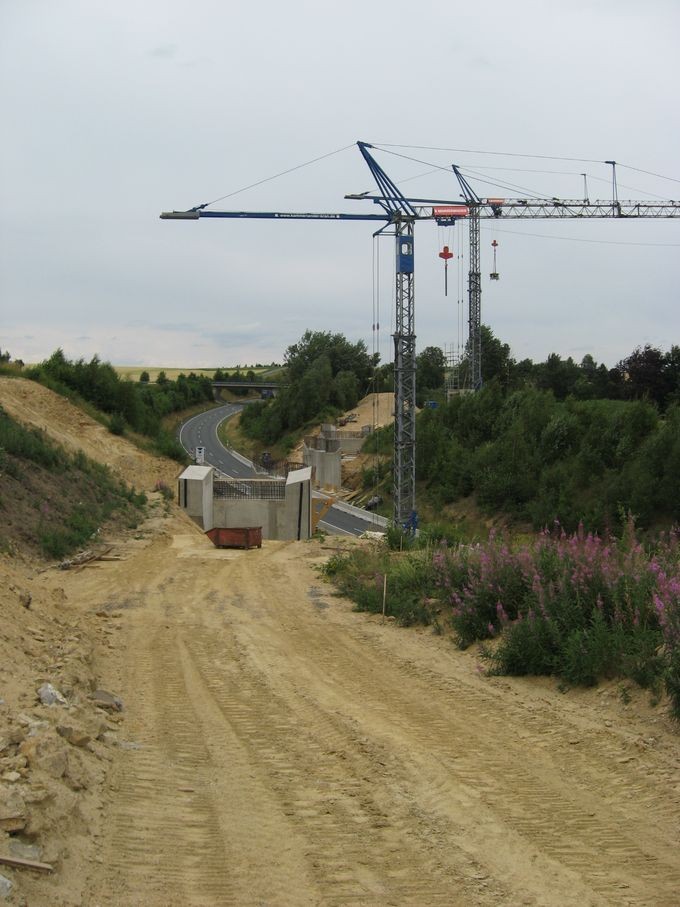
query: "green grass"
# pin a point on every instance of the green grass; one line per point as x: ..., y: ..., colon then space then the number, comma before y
x: 53, y: 501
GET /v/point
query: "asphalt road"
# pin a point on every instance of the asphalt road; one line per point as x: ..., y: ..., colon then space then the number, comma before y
x: 201, y: 431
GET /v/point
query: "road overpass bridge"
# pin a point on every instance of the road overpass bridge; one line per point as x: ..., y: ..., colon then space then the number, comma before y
x: 265, y: 388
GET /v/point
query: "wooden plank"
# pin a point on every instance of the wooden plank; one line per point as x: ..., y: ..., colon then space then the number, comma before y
x: 18, y: 863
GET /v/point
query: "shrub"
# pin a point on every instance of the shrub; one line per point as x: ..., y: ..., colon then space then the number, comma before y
x: 165, y: 490
x: 361, y: 574
x: 168, y: 446
x: 77, y: 528
x: 578, y: 606
x: 117, y: 424
x: 581, y: 607
x: 30, y: 444
x: 485, y: 586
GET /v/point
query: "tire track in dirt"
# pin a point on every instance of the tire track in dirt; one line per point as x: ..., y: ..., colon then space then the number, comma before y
x: 189, y: 826
x: 164, y: 834
x: 324, y: 778
x: 310, y: 789
x: 602, y: 816
x: 295, y: 753
x: 519, y: 784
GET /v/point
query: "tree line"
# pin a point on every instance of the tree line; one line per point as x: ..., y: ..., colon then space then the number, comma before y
x: 139, y: 406
x: 647, y: 373
x: 325, y: 374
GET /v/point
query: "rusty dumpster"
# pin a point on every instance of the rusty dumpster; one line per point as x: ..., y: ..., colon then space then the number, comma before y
x: 236, y: 536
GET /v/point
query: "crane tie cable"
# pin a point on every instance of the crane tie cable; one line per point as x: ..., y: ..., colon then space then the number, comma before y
x: 268, y: 179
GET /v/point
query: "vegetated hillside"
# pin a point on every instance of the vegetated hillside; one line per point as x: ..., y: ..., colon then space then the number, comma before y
x: 63, y: 474
x: 70, y: 426
x: 541, y: 460
x: 577, y: 443
x: 52, y: 501
x: 125, y: 405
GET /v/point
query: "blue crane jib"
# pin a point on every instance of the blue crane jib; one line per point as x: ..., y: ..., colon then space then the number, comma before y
x: 199, y: 213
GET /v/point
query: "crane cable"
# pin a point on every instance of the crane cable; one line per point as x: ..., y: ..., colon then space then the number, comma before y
x: 268, y: 179
x: 543, y: 157
x: 376, y: 356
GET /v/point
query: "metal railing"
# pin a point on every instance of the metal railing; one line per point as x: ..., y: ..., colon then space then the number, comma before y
x: 250, y: 489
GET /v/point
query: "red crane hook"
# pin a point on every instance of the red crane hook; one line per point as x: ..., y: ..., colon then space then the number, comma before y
x: 446, y: 255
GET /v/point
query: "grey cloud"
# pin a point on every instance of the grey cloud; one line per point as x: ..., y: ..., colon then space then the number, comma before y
x: 165, y: 51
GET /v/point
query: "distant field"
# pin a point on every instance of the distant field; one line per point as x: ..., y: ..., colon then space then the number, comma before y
x: 134, y: 371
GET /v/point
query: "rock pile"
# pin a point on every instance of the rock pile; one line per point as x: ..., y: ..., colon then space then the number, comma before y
x: 57, y: 730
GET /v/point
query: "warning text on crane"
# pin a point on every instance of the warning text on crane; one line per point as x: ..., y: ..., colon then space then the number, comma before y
x: 450, y: 211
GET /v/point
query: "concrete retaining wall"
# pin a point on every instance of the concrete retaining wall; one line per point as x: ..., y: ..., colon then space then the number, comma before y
x: 196, y: 495
x: 325, y: 465
x: 286, y: 519
x: 350, y: 440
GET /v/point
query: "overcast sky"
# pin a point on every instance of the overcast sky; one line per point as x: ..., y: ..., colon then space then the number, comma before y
x: 114, y: 112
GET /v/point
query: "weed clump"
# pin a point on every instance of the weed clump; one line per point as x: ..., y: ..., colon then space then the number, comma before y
x: 581, y: 607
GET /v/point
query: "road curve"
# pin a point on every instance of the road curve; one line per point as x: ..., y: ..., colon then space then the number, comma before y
x: 201, y: 431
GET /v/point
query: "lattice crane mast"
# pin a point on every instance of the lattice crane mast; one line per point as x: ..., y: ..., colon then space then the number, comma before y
x: 397, y: 212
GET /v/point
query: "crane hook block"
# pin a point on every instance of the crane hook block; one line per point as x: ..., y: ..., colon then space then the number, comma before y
x: 494, y: 274
x: 445, y: 254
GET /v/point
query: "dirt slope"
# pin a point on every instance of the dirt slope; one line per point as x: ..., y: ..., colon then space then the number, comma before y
x: 277, y: 748
x: 71, y: 427
x: 375, y: 410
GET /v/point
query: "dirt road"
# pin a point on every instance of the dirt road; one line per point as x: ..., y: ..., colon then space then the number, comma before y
x: 283, y: 750
x: 278, y: 749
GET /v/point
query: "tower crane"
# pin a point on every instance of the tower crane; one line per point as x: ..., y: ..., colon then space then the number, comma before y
x: 400, y: 214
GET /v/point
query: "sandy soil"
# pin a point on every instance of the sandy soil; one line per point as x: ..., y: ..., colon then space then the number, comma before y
x: 41, y: 408
x: 276, y: 748
x: 375, y: 410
